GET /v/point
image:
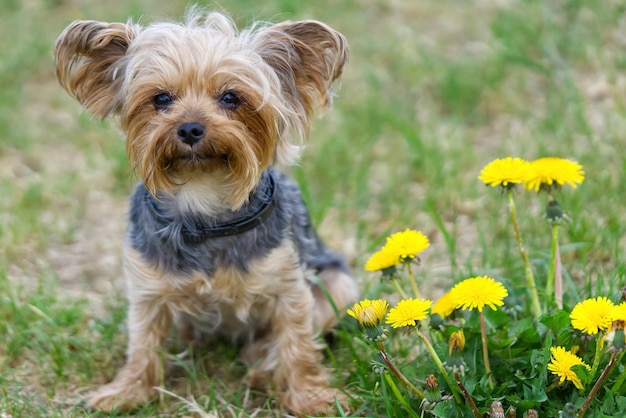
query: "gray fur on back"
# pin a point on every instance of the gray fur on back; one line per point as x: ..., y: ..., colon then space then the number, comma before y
x: 157, y: 232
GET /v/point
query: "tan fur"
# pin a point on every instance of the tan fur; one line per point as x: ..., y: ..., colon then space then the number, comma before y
x: 341, y: 289
x: 115, y: 68
x: 88, y: 58
x: 275, y: 294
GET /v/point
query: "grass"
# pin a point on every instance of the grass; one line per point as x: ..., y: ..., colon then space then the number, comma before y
x: 434, y: 90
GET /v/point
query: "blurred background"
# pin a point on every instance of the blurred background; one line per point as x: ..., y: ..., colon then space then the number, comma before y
x: 434, y: 90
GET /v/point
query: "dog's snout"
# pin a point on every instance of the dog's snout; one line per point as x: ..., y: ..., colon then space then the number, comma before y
x: 190, y: 132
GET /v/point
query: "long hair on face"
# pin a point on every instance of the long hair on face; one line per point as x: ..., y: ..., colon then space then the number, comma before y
x: 282, y: 72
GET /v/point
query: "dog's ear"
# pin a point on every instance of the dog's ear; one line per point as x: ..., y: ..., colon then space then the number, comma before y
x: 89, y: 63
x: 308, y: 56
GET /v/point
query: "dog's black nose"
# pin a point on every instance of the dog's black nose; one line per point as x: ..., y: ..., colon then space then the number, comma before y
x: 190, y: 132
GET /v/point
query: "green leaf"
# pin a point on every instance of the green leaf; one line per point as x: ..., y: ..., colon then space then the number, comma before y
x: 608, y: 403
x: 501, y: 339
x: 448, y: 409
x: 398, y: 395
x: 621, y: 403
x: 519, y: 402
x: 559, y: 323
x: 583, y: 373
x: 496, y: 319
x: 556, y: 321
x: 535, y: 392
x: 525, y: 330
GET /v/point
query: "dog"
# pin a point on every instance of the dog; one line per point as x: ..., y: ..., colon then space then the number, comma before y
x: 219, y: 240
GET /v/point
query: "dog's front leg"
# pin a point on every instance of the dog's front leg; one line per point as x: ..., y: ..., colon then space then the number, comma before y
x: 296, y: 353
x: 149, y: 322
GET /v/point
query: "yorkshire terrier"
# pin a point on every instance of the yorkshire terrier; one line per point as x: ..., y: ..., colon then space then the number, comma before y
x: 219, y: 241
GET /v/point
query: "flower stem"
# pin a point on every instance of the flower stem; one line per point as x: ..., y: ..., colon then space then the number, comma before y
x: 398, y: 373
x: 467, y: 396
x: 439, y: 365
x: 554, y: 283
x: 620, y: 380
x: 416, y: 291
x: 483, y: 333
x: 558, y: 280
x: 597, y: 386
x: 398, y: 288
x: 552, y: 386
x: 596, y: 357
x: 536, y: 308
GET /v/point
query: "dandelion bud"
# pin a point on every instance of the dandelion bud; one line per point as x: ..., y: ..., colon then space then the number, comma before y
x: 456, y: 341
x: 532, y: 414
x: 432, y: 389
x: 496, y: 410
x: 618, y: 342
x: 569, y: 411
x: 455, y: 362
x: 431, y: 382
x: 616, y: 338
x: 554, y: 211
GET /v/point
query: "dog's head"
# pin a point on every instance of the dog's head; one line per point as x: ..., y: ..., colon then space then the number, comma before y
x: 202, y: 98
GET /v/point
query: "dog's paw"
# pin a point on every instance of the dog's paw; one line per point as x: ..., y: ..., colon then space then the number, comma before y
x: 117, y: 396
x: 258, y: 379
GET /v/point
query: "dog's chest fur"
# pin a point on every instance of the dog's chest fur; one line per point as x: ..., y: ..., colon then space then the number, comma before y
x: 157, y: 230
x: 226, y: 282
x: 229, y: 300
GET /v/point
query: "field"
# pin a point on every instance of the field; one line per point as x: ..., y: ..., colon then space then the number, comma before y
x: 434, y: 91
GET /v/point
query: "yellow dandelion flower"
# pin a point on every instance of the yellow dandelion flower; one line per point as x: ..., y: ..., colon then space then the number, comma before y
x: 382, y: 260
x: 618, y: 316
x: 552, y: 171
x: 476, y: 292
x: 619, y: 312
x: 593, y: 315
x: 505, y: 171
x: 616, y: 337
x: 407, y: 244
x: 561, y: 363
x: 408, y: 312
x: 444, y: 306
x: 369, y: 313
x: 397, y: 248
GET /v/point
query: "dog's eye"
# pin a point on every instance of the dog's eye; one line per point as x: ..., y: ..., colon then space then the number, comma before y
x: 230, y: 100
x: 162, y: 100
